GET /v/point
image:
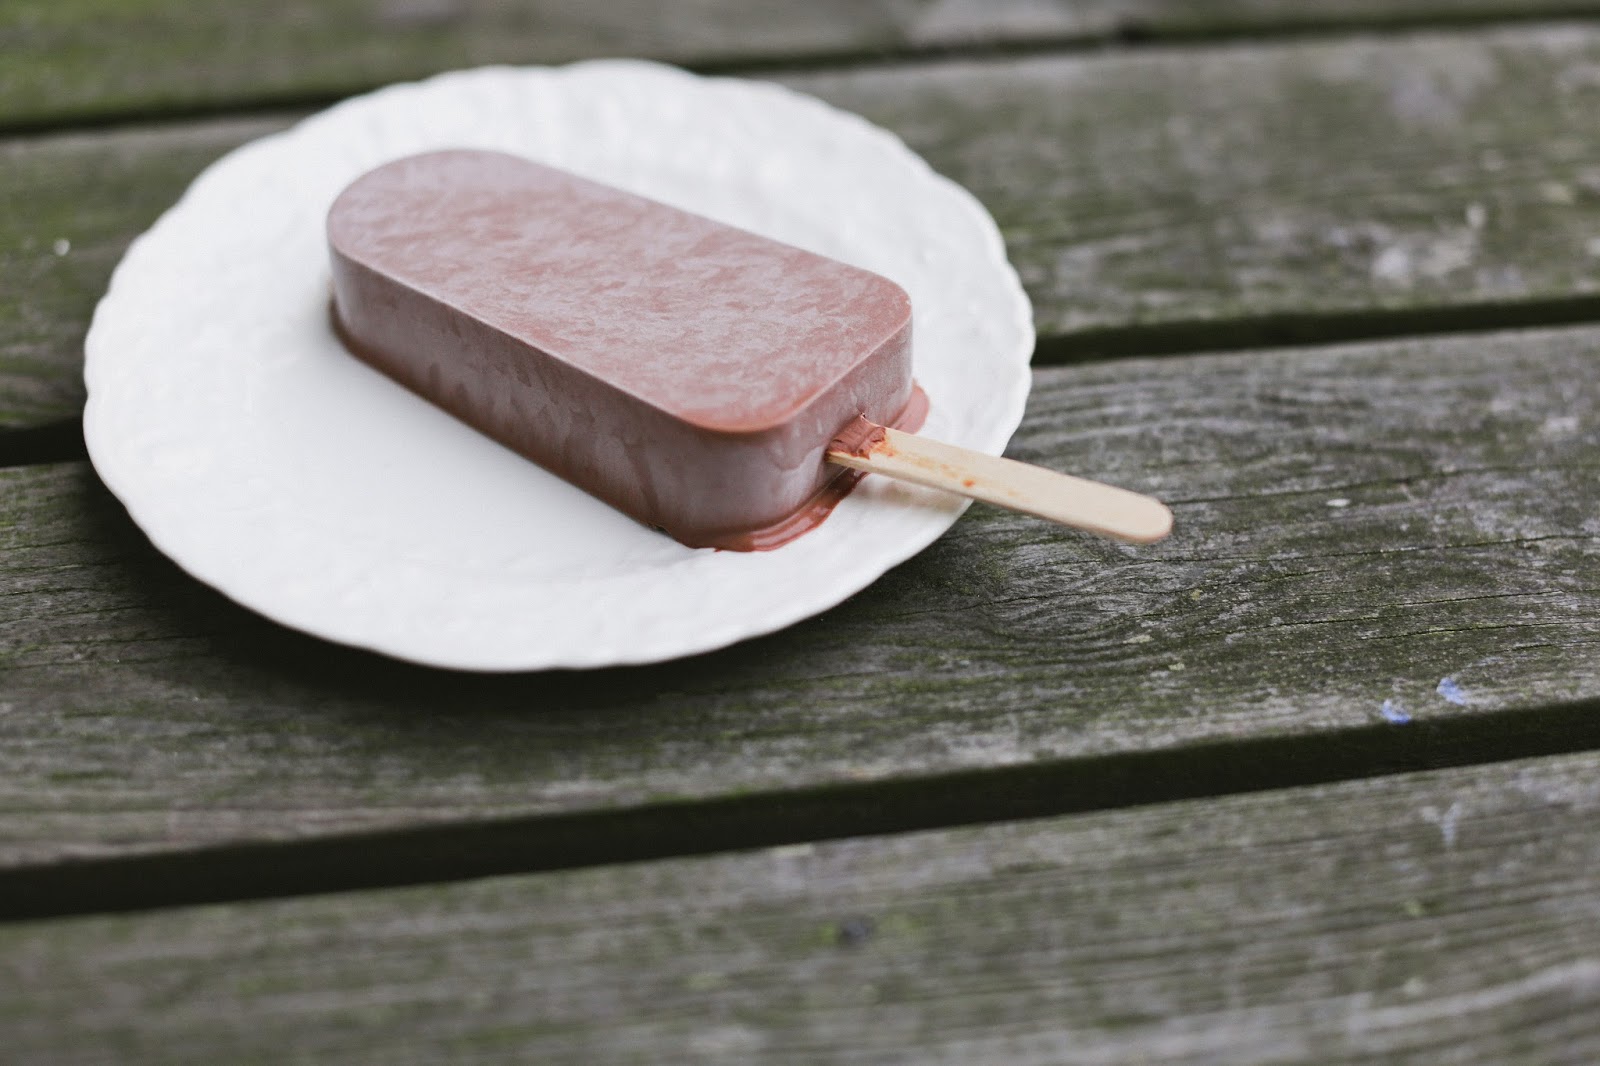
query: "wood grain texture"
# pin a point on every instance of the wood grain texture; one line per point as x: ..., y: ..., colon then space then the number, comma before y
x: 1442, y: 917
x: 69, y: 205
x: 1162, y: 194
x: 1166, y: 200
x: 1355, y: 525
x: 74, y: 59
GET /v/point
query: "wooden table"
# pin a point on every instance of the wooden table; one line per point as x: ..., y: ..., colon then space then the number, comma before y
x: 1317, y: 780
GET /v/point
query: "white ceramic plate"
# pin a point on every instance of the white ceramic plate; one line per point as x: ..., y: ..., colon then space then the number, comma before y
x: 268, y: 463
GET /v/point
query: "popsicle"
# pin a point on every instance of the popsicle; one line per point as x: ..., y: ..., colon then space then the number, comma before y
x: 723, y: 387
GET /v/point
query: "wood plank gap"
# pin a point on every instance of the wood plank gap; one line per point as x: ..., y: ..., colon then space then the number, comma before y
x: 1127, y: 34
x: 470, y: 850
x: 54, y: 442
x: 62, y: 440
x: 1134, y: 34
x: 1268, y: 332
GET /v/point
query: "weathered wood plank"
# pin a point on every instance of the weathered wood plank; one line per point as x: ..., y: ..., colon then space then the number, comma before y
x: 1441, y: 917
x: 1152, y: 201
x: 1158, y: 194
x: 68, y: 208
x: 68, y: 60
x: 1355, y: 525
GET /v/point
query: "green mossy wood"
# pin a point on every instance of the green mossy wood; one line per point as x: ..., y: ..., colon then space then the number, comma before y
x: 1354, y: 525
x: 1434, y: 917
x: 1152, y: 201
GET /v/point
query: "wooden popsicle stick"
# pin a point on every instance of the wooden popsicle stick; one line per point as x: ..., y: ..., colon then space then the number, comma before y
x: 1071, y: 501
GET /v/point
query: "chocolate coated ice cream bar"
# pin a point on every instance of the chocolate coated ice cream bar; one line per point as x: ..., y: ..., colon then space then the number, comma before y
x: 689, y: 373
x: 705, y: 380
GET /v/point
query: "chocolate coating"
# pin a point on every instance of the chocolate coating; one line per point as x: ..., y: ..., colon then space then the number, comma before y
x: 687, y: 372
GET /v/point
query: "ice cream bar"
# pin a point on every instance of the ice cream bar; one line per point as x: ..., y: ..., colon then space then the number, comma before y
x: 689, y: 373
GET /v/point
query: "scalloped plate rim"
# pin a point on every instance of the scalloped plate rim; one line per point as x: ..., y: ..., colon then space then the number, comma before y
x: 154, y: 517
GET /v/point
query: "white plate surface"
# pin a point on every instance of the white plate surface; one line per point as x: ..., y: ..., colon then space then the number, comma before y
x: 268, y: 463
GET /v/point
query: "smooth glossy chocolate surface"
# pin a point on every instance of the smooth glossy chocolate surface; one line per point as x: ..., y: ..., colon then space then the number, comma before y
x: 689, y: 373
